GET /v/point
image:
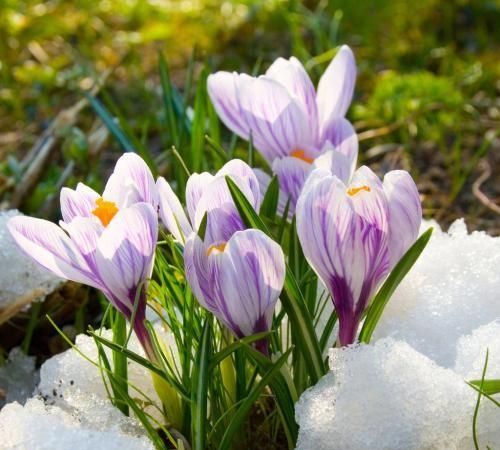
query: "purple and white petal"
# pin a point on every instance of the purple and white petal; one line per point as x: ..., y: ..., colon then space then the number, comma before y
x: 125, y: 251
x: 277, y: 122
x: 336, y: 86
x: 239, y: 168
x: 195, y: 187
x: 251, y: 276
x: 223, y: 89
x: 131, y: 182
x: 292, y: 173
x: 197, y: 272
x: 77, y: 203
x: 337, y: 164
x: 50, y: 247
x: 339, y: 133
x: 405, y: 212
x: 223, y: 219
x: 291, y: 74
x: 172, y: 213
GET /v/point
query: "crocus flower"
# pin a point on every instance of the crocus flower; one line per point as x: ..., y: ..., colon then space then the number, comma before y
x: 239, y: 281
x: 289, y: 122
x: 208, y: 194
x: 107, y: 241
x: 353, y: 231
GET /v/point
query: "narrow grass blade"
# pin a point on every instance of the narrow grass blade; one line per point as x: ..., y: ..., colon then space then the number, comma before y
x: 270, y: 201
x: 384, y: 294
x: 168, y: 103
x: 242, y: 412
x: 200, y: 392
x: 119, y: 358
x: 111, y: 124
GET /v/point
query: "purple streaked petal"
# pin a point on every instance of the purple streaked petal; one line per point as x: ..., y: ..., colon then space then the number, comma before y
x: 195, y: 187
x: 50, y: 247
x: 84, y: 233
x: 336, y: 86
x: 77, y: 203
x: 125, y: 252
x: 405, y: 212
x: 240, y: 169
x: 223, y: 219
x: 251, y: 276
x: 291, y: 74
x: 277, y: 122
x: 172, y: 213
x: 223, y: 89
x: 337, y: 164
x: 292, y: 173
x: 341, y: 135
x: 131, y: 182
x: 197, y: 271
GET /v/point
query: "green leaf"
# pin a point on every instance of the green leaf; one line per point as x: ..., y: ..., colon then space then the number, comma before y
x: 199, y: 397
x: 167, y: 96
x: 199, y: 122
x: 242, y: 412
x: 270, y: 202
x: 110, y: 123
x: 202, y: 229
x: 292, y: 298
x: 120, y: 359
x: 490, y: 387
x: 286, y: 396
x: 384, y: 294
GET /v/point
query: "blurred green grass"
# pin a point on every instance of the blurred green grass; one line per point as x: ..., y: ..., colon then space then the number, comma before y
x: 426, y: 96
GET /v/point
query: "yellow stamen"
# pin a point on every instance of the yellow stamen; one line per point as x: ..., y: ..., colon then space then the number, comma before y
x: 104, y: 210
x: 355, y: 190
x: 301, y: 154
x: 218, y: 247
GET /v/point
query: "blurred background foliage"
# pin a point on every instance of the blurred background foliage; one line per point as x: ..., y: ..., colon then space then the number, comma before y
x: 427, y: 95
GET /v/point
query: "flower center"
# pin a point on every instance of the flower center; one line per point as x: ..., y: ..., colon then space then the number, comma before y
x: 104, y: 210
x: 301, y: 154
x: 216, y: 247
x: 356, y: 190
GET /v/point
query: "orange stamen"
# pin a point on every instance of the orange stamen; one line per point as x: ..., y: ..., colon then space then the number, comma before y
x: 301, y: 154
x: 105, y: 211
x: 219, y: 247
x: 355, y: 190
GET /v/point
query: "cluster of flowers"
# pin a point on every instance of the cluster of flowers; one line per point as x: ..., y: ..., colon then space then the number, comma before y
x: 352, y: 226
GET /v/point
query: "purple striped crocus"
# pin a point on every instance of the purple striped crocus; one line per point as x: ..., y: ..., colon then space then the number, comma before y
x: 290, y: 123
x: 239, y: 281
x: 208, y: 194
x: 353, y: 231
x: 107, y: 241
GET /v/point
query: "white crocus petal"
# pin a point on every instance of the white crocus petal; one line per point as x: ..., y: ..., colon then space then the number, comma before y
x: 337, y: 164
x: 172, y: 213
x: 240, y: 169
x: 131, y: 182
x: 125, y: 251
x: 196, y: 185
x: 405, y: 212
x: 292, y: 173
x: 291, y: 74
x: 223, y: 89
x: 50, y: 247
x: 336, y: 86
x: 277, y: 123
x: 77, y: 203
x: 84, y: 233
x: 341, y: 135
x: 252, y: 273
x: 223, y: 219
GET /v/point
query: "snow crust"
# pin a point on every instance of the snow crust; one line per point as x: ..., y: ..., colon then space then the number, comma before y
x: 407, y: 390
